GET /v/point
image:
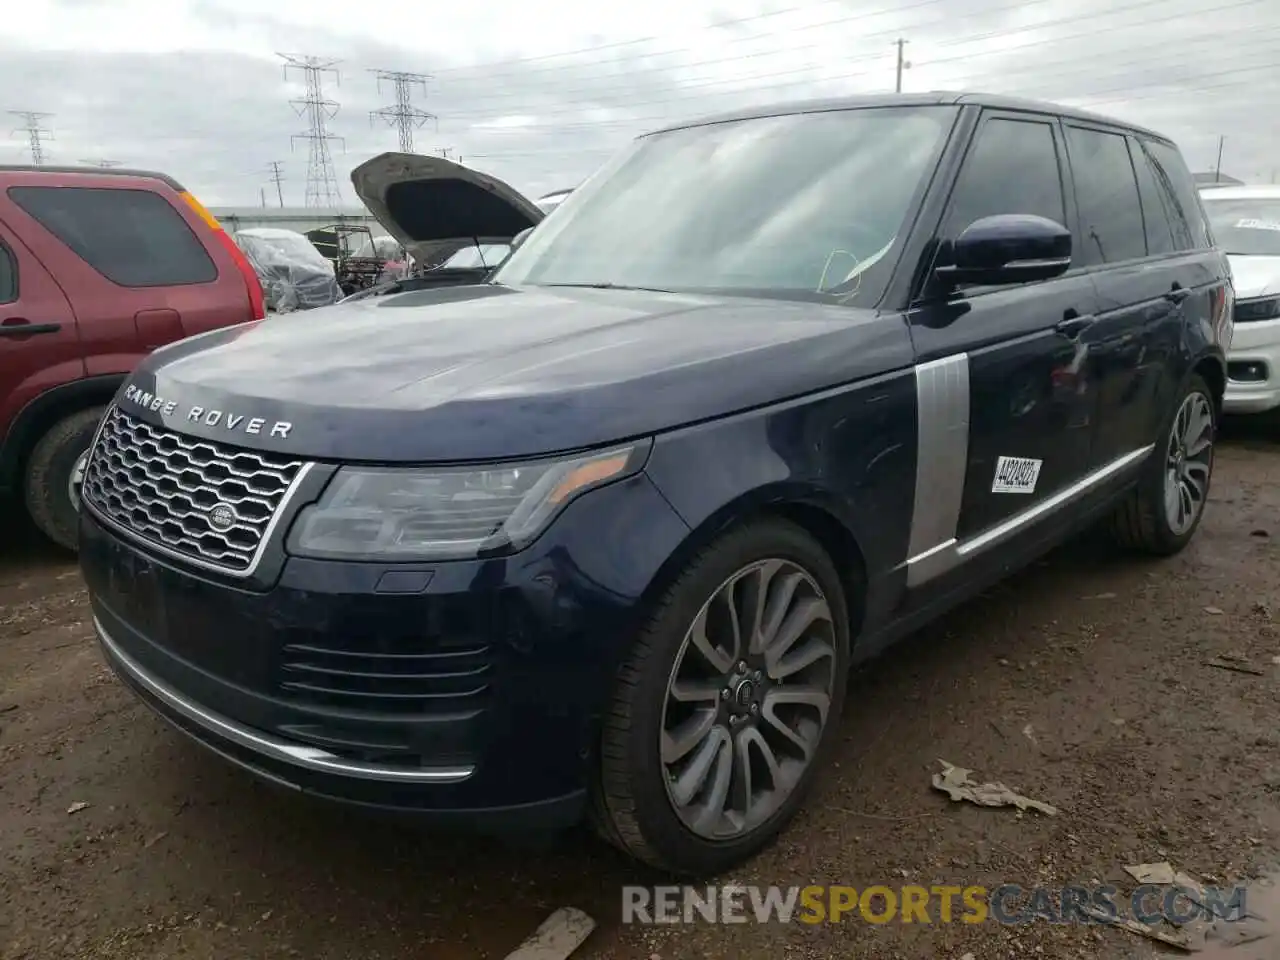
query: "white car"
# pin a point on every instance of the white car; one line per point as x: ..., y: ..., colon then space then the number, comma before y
x: 1246, y: 223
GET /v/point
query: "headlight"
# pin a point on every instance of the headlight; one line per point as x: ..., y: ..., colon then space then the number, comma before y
x: 396, y: 513
x: 1259, y: 308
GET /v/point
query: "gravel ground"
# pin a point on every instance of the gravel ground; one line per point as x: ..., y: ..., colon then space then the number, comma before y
x: 1081, y: 683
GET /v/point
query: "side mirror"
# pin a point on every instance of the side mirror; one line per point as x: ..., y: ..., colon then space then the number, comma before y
x: 519, y: 238
x: 1008, y: 248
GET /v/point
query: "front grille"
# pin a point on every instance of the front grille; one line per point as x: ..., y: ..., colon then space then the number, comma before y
x: 449, y: 680
x: 203, y: 501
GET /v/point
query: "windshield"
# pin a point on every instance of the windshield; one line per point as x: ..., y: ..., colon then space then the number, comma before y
x: 1249, y: 227
x: 797, y: 205
x: 485, y: 255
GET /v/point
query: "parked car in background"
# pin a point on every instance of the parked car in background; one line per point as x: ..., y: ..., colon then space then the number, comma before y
x: 442, y: 213
x: 97, y: 269
x: 1246, y: 222
x: 602, y: 535
x: 293, y: 273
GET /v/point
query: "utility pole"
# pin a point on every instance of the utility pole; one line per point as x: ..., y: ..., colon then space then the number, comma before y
x: 277, y: 177
x: 322, y: 181
x: 903, y: 64
x: 1217, y: 170
x: 36, y: 134
x: 403, y: 115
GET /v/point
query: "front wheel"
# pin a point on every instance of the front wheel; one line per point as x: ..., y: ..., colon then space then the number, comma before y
x: 726, y: 704
x: 1161, y: 514
x: 55, y: 471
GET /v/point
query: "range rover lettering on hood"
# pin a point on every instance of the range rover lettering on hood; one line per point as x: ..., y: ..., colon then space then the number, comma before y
x: 232, y: 422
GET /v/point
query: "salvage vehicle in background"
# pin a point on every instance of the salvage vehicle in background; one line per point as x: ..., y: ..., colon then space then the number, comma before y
x: 359, y: 262
x: 97, y: 269
x: 602, y: 535
x: 1246, y: 222
x: 442, y: 213
x: 293, y: 273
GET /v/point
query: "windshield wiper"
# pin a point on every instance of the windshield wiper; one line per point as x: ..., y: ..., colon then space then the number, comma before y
x: 607, y: 286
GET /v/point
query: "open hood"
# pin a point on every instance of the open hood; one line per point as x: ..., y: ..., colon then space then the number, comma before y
x: 433, y: 205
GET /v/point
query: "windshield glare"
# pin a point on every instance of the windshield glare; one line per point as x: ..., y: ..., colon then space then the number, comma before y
x: 1245, y: 227
x: 801, y: 204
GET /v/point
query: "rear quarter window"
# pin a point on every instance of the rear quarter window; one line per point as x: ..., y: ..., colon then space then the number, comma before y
x: 134, y: 238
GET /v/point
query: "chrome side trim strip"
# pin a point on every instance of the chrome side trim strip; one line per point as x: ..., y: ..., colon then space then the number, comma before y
x: 942, y: 453
x: 926, y: 566
x: 308, y: 758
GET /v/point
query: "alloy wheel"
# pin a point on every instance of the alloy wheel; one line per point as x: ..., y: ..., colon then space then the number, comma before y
x: 1188, y: 463
x: 748, y: 699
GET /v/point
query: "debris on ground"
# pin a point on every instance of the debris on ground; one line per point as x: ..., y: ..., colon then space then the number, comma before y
x: 956, y: 783
x: 1228, y: 662
x: 1100, y: 596
x: 1141, y: 929
x: 1216, y: 611
x: 558, y: 936
x: 1029, y: 732
x: 77, y: 807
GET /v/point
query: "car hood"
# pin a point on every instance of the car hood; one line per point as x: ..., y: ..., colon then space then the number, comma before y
x: 492, y: 372
x: 1254, y: 276
x: 432, y: 205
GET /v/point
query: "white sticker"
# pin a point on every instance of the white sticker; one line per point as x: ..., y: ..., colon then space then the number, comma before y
x: 1252, y: 223
x: 1016, y: 475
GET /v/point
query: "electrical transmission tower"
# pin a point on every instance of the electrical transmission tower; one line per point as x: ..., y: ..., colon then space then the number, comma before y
x: 277, y: 177
x: 322, y: 181
x: 36, y: 134
x: 404, y: 116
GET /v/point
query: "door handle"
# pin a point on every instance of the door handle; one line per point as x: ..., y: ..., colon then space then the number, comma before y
x: 1177, y: 294
x: 1074, y: 324
x: 22, y: 327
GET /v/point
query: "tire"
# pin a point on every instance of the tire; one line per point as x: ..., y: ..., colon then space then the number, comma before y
x: 1142, y: 522
x: 49, y: 474
x: 634, y: 800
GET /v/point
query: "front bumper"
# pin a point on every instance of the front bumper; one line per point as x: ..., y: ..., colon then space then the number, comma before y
x: 1254, y: 343
x: 475, y: 696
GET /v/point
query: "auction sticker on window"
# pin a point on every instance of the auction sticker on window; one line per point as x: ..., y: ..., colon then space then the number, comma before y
x: 1252, y: 223
x: 1016, y: 475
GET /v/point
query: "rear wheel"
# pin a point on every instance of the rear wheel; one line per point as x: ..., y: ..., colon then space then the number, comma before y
x: 1161, y: 514
x: 55, y: 471
x: 726, y: 704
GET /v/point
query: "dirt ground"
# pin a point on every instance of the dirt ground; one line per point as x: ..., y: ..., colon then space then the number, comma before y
x: 1081, y: 683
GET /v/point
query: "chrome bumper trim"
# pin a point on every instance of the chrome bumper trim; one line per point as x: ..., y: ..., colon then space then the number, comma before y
x: 304, y: 757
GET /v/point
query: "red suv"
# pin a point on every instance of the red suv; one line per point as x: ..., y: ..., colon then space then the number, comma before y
x: 97, y: 269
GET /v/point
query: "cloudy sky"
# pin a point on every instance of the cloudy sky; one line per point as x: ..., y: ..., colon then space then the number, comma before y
x: 541, y: 94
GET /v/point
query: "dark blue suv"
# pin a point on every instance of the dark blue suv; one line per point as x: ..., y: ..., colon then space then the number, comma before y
x: 603, y: 535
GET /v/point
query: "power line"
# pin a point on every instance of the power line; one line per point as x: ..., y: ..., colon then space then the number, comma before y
x: 403, y: 115
x: 101, y: 163
x: 322, y: 181
x: 36, y: 134
x: 277, y: 177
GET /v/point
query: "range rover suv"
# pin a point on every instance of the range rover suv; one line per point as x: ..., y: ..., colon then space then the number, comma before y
x: 603, y: 535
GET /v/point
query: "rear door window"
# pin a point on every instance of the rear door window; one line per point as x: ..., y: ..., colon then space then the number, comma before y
x: 1110, y: 212
x: 134, y: 238
x: 1175, y: 179
x: 8, y: 275
x: 1167, y: 228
